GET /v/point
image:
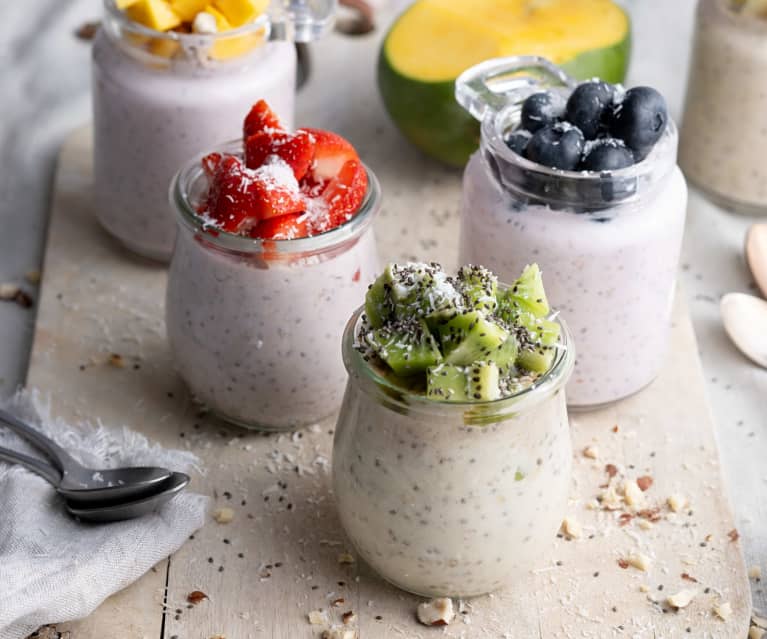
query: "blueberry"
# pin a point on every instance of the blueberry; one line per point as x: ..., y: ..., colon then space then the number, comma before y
x: 606, y: 154
x: 587, y: 106
x: 639, y: 119
x: 541, y: 109
x: 556, y: 145
x: 517, y: 141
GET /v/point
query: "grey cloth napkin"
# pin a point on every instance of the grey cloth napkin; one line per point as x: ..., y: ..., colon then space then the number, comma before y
x: 54, y: 568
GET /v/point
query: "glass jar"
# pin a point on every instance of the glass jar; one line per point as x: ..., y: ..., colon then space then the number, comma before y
x: 724, y: 130
x: 608, y: 243
x: 254, y: 325
x: 445, y: 498
x: 161, y: 97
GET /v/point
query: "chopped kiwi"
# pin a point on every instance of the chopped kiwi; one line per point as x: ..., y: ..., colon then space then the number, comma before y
x: 478, y: 382
x: 408, y: 347
x: 378, y: 306
x: 479, y: 287
x: 527, y: 293
x: 470, y: 337
x: 537, y: 359
x: 538, y: 353
x: 506, y: 354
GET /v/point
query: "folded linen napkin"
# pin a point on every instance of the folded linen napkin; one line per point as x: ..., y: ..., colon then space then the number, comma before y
x: 54, y: 568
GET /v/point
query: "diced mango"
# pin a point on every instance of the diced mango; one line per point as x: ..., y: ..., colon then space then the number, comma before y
x: 163, y: 47
x: 240, y: 12
x: 188, y: 9
x: 124, y: 4
x: 155, y: 14
x: 222, y: 24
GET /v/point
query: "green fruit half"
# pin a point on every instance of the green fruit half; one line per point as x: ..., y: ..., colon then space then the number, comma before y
x: 434, y: 41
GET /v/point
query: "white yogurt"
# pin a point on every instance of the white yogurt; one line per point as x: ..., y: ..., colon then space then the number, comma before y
x: 440, y: 508
x: 150, y: 116
x: 724, y: 129
x: 613, y: 280
x: 256, y: 337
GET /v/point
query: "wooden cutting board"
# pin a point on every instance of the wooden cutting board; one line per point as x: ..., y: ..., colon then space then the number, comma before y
x: 279, y: 559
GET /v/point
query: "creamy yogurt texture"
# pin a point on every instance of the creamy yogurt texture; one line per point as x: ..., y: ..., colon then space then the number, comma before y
x: 725, y: 121
x: 258, y: 342
x: 148, y: 122
x: 613, y: 281
x: 442, y: 509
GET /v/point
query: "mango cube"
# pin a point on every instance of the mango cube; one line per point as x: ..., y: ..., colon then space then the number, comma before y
x: 124, y: 4
x: 240, y: 12
x: 222, y: 24
x: 155, y: 14
x: 188, y: 9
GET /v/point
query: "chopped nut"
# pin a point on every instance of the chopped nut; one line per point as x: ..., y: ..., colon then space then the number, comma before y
x: 644, y: 482
x: 755, y: 632
x: 591, y: 452
x: 632, y: 493
x: 318, y: 617
x: 592, y: 504
x: 348, y: 617
x: 346, y: 558
x: 688, y: 577
x: 734, y: 535
x: 644, y: 588
x: 224, y: 515
x: 339, y: 632
x: 615, y: 428
x: 436, y: 612
x: 677, y: 502
x: 682, y: 598
x: 639, y: 561
x: 611, y: 470
x: 755, y: 572
x: 644, y: 524
x: 116, y: 360
x: 610, y: 499
x: 723, y: 611
x: 196, y: 596
x: 8, y: 291
x: 650, y: 514
x: 337, y: 602
x: 571, y: 528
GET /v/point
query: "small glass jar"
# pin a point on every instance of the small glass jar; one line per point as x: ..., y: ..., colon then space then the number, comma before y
x: 254, y: 325
x: 724, y: 130
x: 608, y: 243
x: 161, y: 97
x: 448, y: 499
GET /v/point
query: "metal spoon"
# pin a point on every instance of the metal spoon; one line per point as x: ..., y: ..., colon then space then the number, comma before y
x: 745, y: 320
x: 108, y: 512
x: 756, y: 254
x: 79, y: 483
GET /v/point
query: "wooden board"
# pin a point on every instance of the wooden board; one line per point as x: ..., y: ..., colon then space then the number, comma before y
x: 278, y: 559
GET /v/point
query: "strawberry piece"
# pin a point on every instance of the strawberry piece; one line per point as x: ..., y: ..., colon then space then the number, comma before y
x: 297, y: 150
x: 345, y: 192
x: 210, y: 164
x: 232, y: 201
x: 261, y: 118
x: 331, y: 152
x: 283, y: 227
x: 276, y: 191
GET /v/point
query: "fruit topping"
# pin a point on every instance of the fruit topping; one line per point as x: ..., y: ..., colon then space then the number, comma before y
x: 599, y: 128
x: 458, y: 338
x: 640, y: 119
x: 558, y: 146
x: 540, y: 109
x: 587, y: 106
x: 288, y: 187
x: 606, y: 154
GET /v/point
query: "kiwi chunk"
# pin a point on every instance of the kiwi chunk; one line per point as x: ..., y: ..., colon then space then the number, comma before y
x: 407, y: 348
x: 470, y: 337
x: 477, y: 382
x: 479, y: 287
x: 538, y: 351
x: 537, y: 359
x: 526, y: 294
x: 506, y: 354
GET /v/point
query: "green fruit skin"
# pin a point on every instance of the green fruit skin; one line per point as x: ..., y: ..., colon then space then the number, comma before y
x: 429, y: 116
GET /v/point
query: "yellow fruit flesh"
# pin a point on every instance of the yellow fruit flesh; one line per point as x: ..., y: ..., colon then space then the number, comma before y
x: 240, y: 12
x: 155, y: 14
x: 188, y: 9
x: 435, y: 40
x: 124, y: 4
x: 232, y: 47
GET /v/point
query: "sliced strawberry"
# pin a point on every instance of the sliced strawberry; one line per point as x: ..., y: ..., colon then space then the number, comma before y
x: 345, y: 192
x: 311, y: 186
x: 283, y: 227
x: 210, y: 164
x: 275, y: 197
x: 232, y: 200
x: 296, y: 149
x: 331, y: 152
x: 260, y: 118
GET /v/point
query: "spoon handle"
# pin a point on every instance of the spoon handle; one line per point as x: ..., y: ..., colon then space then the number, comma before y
x: 61, y: 458
x: 46, y: 471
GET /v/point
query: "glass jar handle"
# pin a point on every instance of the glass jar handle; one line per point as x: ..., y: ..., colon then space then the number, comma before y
x: 493, y: 84
x: 301, y: 20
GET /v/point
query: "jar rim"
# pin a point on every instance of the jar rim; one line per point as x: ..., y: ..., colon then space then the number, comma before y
x: 261, y: 23
x: 192, y: 171
x: 401, y: 399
